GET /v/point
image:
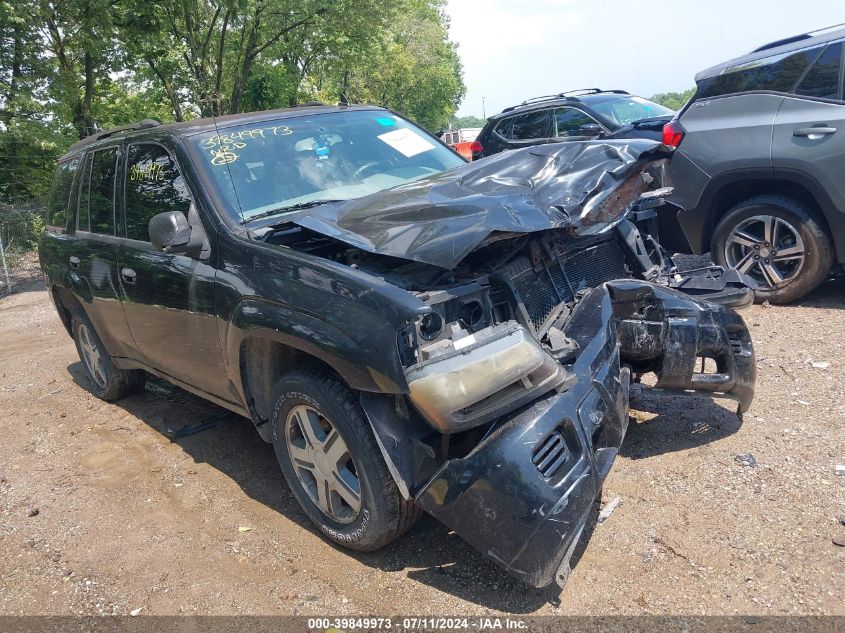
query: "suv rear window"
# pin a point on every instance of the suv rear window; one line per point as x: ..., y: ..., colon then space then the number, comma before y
x: 822, y: 80
x: 779, y: 73
x: 60, y: 191
x: 531, y: 125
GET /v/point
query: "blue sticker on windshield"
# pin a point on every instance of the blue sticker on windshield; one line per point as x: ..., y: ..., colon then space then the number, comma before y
x: 386, y: 122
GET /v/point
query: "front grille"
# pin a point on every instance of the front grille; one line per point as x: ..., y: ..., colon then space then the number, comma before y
x: 550, y: 455
x: 544, y: 288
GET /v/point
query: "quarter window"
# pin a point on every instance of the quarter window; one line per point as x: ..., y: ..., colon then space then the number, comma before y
x: 503, y: 128
x: 153, y: 185
x: 822, y: 80
x: 60, y: 191
x: 96, y: 200
x: 531, y: 125
x: 568, y: 122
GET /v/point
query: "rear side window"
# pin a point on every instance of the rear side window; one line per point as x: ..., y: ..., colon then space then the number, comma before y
x: 779, y: 73
x: 60, y: 191
x: 153, y: 185
x: 96, y: 200
x: 531, y: 125
x: 568, y: 121
x: 822, y: 80
x: 503, y: 128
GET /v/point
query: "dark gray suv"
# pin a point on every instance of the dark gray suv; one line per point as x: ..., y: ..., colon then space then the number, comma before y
x: 758, y: 169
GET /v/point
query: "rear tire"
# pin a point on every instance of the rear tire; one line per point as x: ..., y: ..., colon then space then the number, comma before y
x: 778, y: 242
x: 107, y: 381
x: 333, y: 465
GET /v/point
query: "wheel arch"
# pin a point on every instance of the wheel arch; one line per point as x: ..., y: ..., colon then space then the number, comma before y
x: 262, y: 360
x: 725, y: 192
x: 66, y: 305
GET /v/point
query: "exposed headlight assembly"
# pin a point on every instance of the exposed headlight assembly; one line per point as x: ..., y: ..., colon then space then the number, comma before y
x: 475, y: 378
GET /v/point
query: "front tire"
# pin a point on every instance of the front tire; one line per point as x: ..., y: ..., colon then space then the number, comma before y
x: 778, y: 242
x: 107, y: 381
x: 333, y: 465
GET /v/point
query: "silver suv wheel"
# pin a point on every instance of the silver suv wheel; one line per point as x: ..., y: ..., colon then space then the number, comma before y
x: 321, y: 460
x: 767, y: 248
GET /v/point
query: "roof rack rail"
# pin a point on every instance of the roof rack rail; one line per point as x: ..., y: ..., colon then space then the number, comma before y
x: 593, y: 91
x: 140, y: 125
x: 566, y: 95
x: 795, y: 38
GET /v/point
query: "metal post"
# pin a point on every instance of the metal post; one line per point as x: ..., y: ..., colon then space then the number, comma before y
x: 5, y: 267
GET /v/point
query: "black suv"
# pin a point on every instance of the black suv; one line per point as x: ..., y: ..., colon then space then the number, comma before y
x: 410, y: 331
x: 572, y: 116
x: 758, y: 166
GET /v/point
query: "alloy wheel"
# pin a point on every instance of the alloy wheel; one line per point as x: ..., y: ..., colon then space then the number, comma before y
x: 767, y: 248
x: 91, y: 356
x: 321, y: 460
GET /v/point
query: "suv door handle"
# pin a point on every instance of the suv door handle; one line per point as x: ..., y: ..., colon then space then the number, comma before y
x: 128, y: 275
x: 74, y: 261
x: 814, y: 131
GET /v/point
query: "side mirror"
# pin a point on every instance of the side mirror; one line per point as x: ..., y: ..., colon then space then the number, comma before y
x: 591, y: 129
x: 170, y: 232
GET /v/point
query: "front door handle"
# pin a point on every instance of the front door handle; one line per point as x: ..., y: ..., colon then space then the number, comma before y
x: 128, y: 275
x: 74, y: 261
x: 814, y: 132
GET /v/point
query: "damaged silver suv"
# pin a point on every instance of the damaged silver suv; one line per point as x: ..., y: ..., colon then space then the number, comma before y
x: 411, y: 332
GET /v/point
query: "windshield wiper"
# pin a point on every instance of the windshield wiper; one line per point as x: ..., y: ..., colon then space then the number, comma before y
x: 292, y: 207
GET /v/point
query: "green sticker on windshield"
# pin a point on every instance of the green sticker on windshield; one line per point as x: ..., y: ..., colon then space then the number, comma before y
x: 385, y: 121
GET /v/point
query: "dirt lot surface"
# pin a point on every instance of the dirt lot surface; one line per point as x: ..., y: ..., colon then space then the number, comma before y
x: 102, y: 510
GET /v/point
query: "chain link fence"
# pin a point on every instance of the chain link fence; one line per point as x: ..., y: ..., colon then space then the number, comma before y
x: 21, y: 223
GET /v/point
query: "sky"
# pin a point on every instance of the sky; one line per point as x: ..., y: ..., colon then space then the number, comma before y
x: 516, y: 49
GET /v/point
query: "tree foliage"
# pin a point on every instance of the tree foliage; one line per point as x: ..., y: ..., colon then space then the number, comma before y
x: 673, y: 100
x: 70, y: 67
x: 467, y: 121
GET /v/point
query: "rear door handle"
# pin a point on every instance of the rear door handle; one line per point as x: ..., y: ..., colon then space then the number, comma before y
x: 811, y: 132
x: 74, y: 261
x: 128, y: 275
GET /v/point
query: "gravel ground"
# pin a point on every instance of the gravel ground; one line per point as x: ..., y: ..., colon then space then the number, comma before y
x: 102, y: 510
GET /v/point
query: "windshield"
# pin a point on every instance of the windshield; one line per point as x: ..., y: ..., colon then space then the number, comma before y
x: 277, y: 166
x: 623, y: 111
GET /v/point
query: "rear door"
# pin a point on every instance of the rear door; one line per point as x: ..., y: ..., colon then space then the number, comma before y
x: 168, y: 298
x: 531, y: 128
x: 92, y: 251
x: 809, y: 131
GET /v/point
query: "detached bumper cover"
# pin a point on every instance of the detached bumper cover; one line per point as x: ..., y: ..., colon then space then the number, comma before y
x: 667, y: 332
x: 524, y: 493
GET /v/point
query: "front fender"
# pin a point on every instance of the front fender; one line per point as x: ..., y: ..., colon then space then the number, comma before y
x: 363, y: 371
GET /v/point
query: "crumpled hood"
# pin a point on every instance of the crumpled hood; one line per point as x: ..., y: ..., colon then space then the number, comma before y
x: 440, y: 219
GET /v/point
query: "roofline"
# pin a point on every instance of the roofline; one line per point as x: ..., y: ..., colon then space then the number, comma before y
x: 563, y: 97
x: 778, y: 47
x: 194, y: 126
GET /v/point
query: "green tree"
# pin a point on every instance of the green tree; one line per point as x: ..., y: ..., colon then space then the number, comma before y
x: 31, y: 137
x: 414, y: 69
x: 467, y: 121
x: 673, y: 100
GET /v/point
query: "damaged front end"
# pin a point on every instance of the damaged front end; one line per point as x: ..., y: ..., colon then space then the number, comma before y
x: 537, y: 406
x: 544, y: 293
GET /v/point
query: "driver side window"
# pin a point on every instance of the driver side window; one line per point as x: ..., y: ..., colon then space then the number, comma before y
x: 153, y: 185
x: 568, y: 122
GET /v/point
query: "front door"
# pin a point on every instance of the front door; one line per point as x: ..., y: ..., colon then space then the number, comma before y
x: 168, y: 299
